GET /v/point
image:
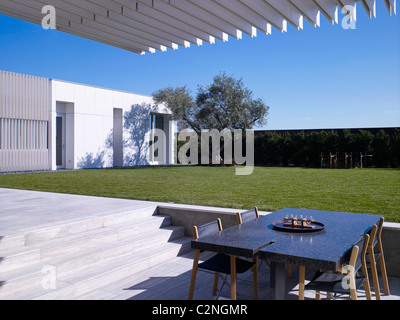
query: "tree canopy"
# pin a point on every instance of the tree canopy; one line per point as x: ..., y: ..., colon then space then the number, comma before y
x: 225, y: 104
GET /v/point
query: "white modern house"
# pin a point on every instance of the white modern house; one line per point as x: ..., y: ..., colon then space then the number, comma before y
x: 48, y: 124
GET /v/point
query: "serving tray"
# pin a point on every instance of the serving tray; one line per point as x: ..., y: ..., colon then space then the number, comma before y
x: 313, y: 226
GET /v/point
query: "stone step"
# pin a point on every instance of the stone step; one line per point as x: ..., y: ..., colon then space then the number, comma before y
x: 105, y: 236
x: 80, y: 263
x: 77, y: 284
x: 15, y: 258
x: 122, y: 268
x: 81, y: 259
x: 54, y: 230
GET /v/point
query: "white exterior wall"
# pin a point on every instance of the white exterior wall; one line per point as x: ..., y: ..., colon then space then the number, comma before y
x: 28, y: 115
x: 90, y: 121
x: 24, y: 105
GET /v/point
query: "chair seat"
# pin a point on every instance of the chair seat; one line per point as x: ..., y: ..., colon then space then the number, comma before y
x: 331, y: 282
x: 222, y: 263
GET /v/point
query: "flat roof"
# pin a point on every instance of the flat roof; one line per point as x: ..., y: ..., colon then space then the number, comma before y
x: 77, y: 83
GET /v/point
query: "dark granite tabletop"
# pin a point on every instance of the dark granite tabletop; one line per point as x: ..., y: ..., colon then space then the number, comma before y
x: 243, y: 240
x: 325, y: 249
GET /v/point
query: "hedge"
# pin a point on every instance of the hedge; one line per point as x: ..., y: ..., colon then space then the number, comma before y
x: 304, y: 148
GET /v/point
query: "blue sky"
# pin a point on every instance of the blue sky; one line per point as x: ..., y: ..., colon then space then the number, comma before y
x: 325, y: 77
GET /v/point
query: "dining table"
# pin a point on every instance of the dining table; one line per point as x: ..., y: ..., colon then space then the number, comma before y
x: 325, y: 246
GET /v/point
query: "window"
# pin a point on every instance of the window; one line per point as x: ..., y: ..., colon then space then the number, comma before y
x: 157, y: 146
x: 23, y: 134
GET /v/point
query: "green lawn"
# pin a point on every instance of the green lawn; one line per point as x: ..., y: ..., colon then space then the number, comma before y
x: 375, y: 191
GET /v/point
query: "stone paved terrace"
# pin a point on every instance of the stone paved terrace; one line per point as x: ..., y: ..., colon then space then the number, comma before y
x: 104, y: 249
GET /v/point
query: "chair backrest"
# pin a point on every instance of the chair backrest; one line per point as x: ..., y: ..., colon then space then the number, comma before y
x: 378, y: 239
x: 357, y: 259
x: 248, y: 215
x: 372, y: 238
x: 375, y: 241
x: 206, y: 229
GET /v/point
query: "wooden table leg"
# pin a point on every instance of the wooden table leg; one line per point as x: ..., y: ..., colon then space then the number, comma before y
x: 233, y: 277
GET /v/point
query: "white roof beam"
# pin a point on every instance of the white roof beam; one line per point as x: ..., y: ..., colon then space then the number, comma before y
x: 246, y: 13
x: 329, y: 9
x: 90, y: 28
x: 387, y: 4
x: 28, y: 13
x: 209, y: 33
x: 287, y: 12
x: 116, y: 23
x: 200, y: 13
x: 165, y: 22
x: 102, y: 39
x: 308, y: 10
x: 74, y: 6
x: 116, y: 11
x: 260, y: 7
x: 369, y: 7
x: 393, y: 5
x: 390, y: 6
x: 127, y: 9
x: 146, y: 29
x: 37, y: 5
x: 230, y: 17
x: 162, y: 20
x: 348, y: 7
x: 103, y: 23
x: 119, y: 34
x: 340, y: 4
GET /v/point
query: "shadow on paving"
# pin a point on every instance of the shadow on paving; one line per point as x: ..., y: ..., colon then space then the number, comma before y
x: 177, y: 287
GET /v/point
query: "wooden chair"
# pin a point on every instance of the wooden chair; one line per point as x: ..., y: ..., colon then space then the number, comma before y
x: 250, y: 215
x: 247, y: 216
x: 218, y: 264
x: 375, y: 253
x: 345, y: 281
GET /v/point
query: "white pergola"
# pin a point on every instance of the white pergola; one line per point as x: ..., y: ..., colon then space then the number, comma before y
x: 144, y: 26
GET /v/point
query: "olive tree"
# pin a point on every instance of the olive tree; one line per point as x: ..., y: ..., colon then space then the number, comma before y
x: 225, y: 104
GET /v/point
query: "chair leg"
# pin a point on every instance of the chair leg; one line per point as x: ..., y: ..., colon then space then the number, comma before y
x: 194, y: 274
x: 302, y: 277
x: 328, y: 294
x: 215, y: 284
x: 353, y: 294
x: 318, y: 293
x: 367, y: 286
x: 374, y: 273
x: 255, y: 278
x: 367, y: 289
x: 384, y: 274
x: 353, y: 290
x: 288, y: 271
